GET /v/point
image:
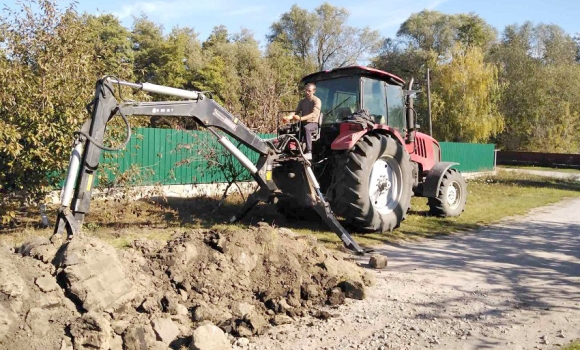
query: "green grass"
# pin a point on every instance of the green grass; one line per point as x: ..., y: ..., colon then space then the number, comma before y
x: 490, y: 199
x: 575, y: 345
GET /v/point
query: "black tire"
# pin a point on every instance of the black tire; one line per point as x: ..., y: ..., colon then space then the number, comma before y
x: 451, y: 195
x: 380, y: 208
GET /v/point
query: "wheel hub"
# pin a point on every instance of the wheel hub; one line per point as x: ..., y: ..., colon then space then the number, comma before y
x: 384, y: 188
x: 453, y: 195
x: 383, y: 184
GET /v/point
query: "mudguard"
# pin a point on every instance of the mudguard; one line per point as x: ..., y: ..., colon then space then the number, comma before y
x: 434, y: 177
x: 350, y: 135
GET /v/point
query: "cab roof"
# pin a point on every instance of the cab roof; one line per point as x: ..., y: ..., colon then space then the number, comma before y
x: 353, y: 70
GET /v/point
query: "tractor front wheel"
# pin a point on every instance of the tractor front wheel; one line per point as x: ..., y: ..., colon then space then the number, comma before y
x: 451, y: 195
x: 372, y: 184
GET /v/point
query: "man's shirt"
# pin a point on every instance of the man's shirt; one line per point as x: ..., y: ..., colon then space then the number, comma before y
x: 309, y: 109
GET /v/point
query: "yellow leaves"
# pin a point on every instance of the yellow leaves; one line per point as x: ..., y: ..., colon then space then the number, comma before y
x: 9, y: 145
x: 467, y: 92
x: 8, y: 217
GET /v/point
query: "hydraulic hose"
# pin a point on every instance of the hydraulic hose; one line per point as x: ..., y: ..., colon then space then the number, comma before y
x: 103, y: 147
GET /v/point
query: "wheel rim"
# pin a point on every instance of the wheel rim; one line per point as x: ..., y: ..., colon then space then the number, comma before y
x: 385, y: 185
x: 453, y: 195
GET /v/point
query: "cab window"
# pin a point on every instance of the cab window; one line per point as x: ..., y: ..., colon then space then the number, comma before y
x: 396, y: 107
x: 374, y: 99
x: 339, y: 97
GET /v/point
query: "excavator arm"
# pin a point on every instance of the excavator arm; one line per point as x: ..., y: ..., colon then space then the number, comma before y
x: 88, y: 146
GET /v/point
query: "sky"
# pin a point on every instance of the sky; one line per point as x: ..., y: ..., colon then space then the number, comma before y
x: 383, y: 15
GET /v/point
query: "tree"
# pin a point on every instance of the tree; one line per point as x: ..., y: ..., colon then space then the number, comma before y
x: 180, y: 60
x: 438, y: 32
x: 177, y: 66
x: 397, y: 57
x: 47, y: 76
x: 427, y: 40
x: 538, y: 62
x: 219, y: 35
x: 240, y: 77
x: 285, y: 71
x: 557, y: 125
x: 472, y: 30
x: 322, y: 39
x: 295, y: 31
x: 112, y: 45
x: 465, y: 98
x: 172, y: 60
x: 337, y: 45
x: 428, y: 37
x: 428, y: 31
x: 219, y: 74
x: 577, y: 42
x: 148, y: 47
x: 250, y: 65
x: 557, y: 46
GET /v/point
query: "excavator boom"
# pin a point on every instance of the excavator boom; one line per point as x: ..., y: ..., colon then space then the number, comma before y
x: 88, y: 146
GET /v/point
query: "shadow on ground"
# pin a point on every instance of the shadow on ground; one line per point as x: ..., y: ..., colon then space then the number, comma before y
x: 207, y: 212
x: 538, y: 262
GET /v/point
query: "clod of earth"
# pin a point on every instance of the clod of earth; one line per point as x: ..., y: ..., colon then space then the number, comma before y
x: 378, y: 261
x: 189, y: 292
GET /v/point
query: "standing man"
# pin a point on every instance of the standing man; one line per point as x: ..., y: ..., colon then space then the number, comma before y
x: 308, y: 112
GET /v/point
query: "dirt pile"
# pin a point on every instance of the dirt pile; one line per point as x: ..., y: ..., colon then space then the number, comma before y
x: 200, y: 290
x: 34, y: 312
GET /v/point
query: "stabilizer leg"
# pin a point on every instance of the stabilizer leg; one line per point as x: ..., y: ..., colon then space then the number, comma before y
x: 251, y: 202
x: 322, y: 207
x: 327, y: 215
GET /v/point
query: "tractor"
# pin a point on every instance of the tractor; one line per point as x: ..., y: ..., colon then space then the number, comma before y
x: 368, y: 155
x: 369, y: 159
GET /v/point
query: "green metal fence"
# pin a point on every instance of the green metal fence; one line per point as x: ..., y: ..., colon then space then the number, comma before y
x: 169, y: 157
x: 472, y: 157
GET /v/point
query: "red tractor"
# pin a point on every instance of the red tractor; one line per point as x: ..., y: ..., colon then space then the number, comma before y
x: 368, y: 160
x: 368, y: 155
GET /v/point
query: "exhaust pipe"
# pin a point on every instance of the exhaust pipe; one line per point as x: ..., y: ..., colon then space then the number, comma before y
x: 410, y: 114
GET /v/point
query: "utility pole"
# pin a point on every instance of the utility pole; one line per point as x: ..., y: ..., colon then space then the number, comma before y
x: 429, y: 102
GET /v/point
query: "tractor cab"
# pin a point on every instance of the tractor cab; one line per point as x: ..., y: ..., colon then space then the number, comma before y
x: 344, y: 91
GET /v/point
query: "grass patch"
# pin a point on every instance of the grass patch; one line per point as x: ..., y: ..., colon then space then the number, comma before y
x: 575, y: 345
x: 490, y: 199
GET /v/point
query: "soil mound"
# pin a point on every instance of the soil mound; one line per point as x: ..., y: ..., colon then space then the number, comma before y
x: 200, y: 290
x: 34, y: 312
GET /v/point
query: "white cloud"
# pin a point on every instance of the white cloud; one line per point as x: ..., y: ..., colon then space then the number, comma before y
x: 136, y: 9
x: 203, y: 16
x: 182, y: 9
x: 168, y: 9
x: 246, y: 11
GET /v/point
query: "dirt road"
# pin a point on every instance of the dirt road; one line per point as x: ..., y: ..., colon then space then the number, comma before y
x: 515, y: 285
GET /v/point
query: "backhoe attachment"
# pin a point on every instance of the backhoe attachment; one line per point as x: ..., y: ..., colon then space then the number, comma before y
x: 88, y: 145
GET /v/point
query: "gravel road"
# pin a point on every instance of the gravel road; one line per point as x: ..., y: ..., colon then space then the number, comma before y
x: 514, y: 285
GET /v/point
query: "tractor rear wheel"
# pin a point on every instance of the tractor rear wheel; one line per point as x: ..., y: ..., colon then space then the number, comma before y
x: 451, y: 195
x: 372, y: 184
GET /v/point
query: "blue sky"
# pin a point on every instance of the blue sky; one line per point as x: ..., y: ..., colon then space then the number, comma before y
x: 382, y: 15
